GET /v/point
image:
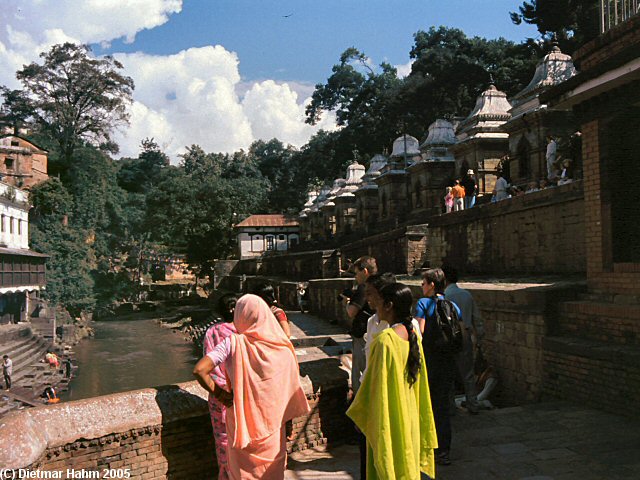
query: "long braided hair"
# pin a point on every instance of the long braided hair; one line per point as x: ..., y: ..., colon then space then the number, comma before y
x: 400, y: 297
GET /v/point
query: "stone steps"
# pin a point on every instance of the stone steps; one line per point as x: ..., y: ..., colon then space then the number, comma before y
x: 600, y: 374
x: 600, y: 321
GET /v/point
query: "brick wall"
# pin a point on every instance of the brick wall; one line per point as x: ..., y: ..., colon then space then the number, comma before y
x: 616, y: 41
x: 517, y: 317
x: 603, y: 378
x: 400, y: 250
x: 300, y: 266
x: 540, y: 232
x: 154, y: 433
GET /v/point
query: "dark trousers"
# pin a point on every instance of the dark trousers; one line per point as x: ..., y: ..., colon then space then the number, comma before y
x: 7, y: 381
x: 441, y: 371
x: 362, y: 446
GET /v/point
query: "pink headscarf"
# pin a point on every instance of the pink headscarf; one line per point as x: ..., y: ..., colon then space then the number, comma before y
x: 263, y: 374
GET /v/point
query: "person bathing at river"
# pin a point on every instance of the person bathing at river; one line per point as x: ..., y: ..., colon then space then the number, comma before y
x: 214, y: 336
x: 264, y: 390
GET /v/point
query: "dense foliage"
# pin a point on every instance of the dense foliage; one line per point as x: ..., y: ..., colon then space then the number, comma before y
x: 569, y: 22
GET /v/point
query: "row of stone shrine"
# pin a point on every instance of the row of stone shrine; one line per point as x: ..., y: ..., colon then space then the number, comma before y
x: 500, y: 134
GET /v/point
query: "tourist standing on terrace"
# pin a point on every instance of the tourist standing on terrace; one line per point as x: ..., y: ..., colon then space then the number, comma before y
x: 393, y: 406
x: 359, y: 311
x: 448, y: 200
x: 440, y: 364
x: 7, y: 371
x: 472, y: 334
x: 265, y: 392
x: 458, y: 196
x: 501, y: 187
x: 470, y: 189
x: 214, y: 336
x: 373, y: 285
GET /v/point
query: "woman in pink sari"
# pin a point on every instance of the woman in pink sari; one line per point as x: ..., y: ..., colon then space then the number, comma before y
x: 214, y: 336
x: 262, y: 371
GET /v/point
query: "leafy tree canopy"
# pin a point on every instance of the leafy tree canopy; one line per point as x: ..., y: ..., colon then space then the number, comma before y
x: 73, y: 97
x: 569, y: 22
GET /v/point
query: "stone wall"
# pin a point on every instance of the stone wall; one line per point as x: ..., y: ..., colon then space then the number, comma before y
x: 401, y: 250
x: 298, y: 266
x: 162, y: 432
x: 518, y: 317
x: 223, y: 268
x: 540, y: 232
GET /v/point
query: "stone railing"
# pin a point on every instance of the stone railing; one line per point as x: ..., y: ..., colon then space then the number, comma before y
x: 162, y: 432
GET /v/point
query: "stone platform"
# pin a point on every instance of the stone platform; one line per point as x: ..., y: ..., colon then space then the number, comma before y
x: 546, y: 441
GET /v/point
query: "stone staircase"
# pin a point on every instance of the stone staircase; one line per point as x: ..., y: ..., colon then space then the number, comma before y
x: 592, y: 354
x: 30, y: 375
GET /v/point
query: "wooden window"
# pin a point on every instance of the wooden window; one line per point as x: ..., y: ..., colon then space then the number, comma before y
x: 2, y: 227
x: 271, y: 244
x: 10, y: 224
x: 8, y: 162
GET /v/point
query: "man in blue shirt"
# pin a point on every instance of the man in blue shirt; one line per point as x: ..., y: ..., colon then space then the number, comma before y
x: 441, y: 365
x: 473, y: 328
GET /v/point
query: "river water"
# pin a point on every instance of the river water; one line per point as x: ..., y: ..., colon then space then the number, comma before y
x: 129, y: 355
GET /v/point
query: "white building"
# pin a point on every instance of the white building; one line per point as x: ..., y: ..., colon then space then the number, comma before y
x: 22, y: 271
x: 260, y: 234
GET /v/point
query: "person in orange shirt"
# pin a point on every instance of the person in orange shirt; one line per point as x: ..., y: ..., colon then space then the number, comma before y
x: 458, y: 196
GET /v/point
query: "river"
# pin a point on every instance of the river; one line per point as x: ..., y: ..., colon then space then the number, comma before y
x: 129, y: 355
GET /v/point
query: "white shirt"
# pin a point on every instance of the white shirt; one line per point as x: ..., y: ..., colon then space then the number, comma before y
x: 7, y: 367
x: 374, y: 327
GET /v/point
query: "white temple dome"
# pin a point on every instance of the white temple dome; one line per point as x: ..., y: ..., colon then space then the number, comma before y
x: 492, y: 104
x: 440, y: 133
x: 412, y: 147
x: 355, y: 172
x: 556, y: 67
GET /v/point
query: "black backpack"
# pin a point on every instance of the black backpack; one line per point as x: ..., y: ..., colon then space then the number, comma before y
x: 446, y: 334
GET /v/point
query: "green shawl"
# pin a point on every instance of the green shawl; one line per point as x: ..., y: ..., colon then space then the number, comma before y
x: 396, y: 419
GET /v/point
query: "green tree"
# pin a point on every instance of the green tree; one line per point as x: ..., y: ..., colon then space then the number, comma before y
x: 139, y: 174
x: 69, y: 282
x: 276, y: 164
x: 75, y: 97
x: 210, y: 235
x: 360, y: 95
x: 450, y: 70
x: 569, y: 22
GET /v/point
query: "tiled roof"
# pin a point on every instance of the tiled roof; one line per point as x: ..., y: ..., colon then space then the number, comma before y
x: 275, y: 220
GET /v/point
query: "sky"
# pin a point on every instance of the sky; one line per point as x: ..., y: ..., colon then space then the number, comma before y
x: 223, y: 73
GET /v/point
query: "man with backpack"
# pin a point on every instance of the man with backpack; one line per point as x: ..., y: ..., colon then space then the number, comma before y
x: 441, y: 341
x: 473, y: 329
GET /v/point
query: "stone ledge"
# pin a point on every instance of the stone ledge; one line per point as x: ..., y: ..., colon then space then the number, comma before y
x: 27, y: 434
x: 580, y: 347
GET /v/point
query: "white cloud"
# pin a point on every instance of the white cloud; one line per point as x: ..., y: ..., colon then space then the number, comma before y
x: 28, y: 27
x: 404, y: 69
x: 274, y: 111
x: 193, y: 96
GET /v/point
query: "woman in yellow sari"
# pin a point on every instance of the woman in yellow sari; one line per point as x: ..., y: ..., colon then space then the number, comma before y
x: 393, y: 406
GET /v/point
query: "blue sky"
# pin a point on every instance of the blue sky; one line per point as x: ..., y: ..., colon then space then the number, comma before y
x: 223, y: 73
x: 304, y: 45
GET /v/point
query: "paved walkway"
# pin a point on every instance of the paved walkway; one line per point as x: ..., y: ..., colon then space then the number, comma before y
x: 548, y: 441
